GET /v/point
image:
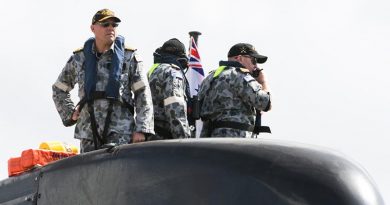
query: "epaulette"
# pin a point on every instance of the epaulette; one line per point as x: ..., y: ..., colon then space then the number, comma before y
x: 127, y: 48
x: 243, y: 70
x: 78, y: 50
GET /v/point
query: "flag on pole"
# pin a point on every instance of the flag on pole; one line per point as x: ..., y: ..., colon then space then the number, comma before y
x: 195, y: 72
x: 194, y: 76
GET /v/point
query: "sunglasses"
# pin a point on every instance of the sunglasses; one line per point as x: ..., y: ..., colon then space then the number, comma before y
x: 253, y: 59
x: 107, y: 24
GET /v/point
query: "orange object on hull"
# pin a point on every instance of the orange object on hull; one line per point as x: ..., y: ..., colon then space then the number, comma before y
x: 32, y: 158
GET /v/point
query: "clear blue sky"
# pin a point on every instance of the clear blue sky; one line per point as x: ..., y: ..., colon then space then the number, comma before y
x: 328, y: 65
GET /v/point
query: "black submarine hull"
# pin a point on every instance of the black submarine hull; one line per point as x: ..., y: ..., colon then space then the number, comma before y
x: 197, y: 171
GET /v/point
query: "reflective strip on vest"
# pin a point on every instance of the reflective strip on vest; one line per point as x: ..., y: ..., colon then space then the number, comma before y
x: 151, y: 70
x: 62, y: 86
x: 138, y: 85
x: 173, y: 99
x: 219, y: 71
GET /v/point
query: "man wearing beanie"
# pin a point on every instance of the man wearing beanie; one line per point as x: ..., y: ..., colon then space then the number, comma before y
x: 231, y: 94
x: 113, y: 89
x: 170, y: 91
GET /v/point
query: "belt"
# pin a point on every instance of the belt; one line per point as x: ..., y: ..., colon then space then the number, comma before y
x: 229, y: 124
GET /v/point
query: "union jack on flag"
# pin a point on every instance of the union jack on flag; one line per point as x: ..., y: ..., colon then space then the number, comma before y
x: 195, y: 76
x: 195, y: 72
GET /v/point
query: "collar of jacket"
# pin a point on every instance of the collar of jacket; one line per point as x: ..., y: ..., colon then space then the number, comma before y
x: 167, y: 58
x: 231, y: 64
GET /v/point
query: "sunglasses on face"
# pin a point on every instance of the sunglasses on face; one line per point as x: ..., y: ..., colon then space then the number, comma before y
x: 253, y: 59
x: 107, y: 24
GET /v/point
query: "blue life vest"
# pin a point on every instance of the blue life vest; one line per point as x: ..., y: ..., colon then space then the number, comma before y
x: 90, y: 65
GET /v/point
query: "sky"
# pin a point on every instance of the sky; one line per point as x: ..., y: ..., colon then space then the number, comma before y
x: 328, y: 67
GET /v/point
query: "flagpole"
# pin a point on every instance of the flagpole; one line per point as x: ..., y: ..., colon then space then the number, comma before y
x: 195, y: 35
x: 198, y: 124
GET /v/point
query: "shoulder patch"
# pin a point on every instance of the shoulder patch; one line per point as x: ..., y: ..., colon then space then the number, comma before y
x: 249, y: 78
x: 137, y: 57
x: 175, y: 67
x: 177, y: 74
x: 78, y: 50
x: 243, y: 70
x: 128, y: 48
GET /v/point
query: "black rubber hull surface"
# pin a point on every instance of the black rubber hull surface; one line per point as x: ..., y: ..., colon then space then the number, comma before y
x: 197, y: 171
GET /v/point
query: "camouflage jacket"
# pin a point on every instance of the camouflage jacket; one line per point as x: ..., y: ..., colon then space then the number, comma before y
x: 133, y: 82
x: 232, y: 95
x: 169, y: 99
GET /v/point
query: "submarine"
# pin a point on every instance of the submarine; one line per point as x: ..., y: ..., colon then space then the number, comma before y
x: 206, y: 171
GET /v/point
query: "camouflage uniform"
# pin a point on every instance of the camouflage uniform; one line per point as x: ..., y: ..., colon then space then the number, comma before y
x: 168, y: 87
x: 232, y: 96
x: 133, y: 82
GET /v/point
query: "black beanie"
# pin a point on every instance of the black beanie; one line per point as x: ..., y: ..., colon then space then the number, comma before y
x: 175, y: 47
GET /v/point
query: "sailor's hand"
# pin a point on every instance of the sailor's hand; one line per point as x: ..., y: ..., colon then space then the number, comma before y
x: 76, y: 114
x: 138, y: 137
x: 261, y: 78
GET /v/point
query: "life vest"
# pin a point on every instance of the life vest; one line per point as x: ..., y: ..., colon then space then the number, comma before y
x: 256, y: 128
x: 151, y: 70
x: 165, y: 58
x: 219, y: 71
x: 112, y: 89
x: 192, y: 102
x: 222, y: 68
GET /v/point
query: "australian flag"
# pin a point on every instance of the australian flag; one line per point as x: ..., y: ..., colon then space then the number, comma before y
x: 195, y: 72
